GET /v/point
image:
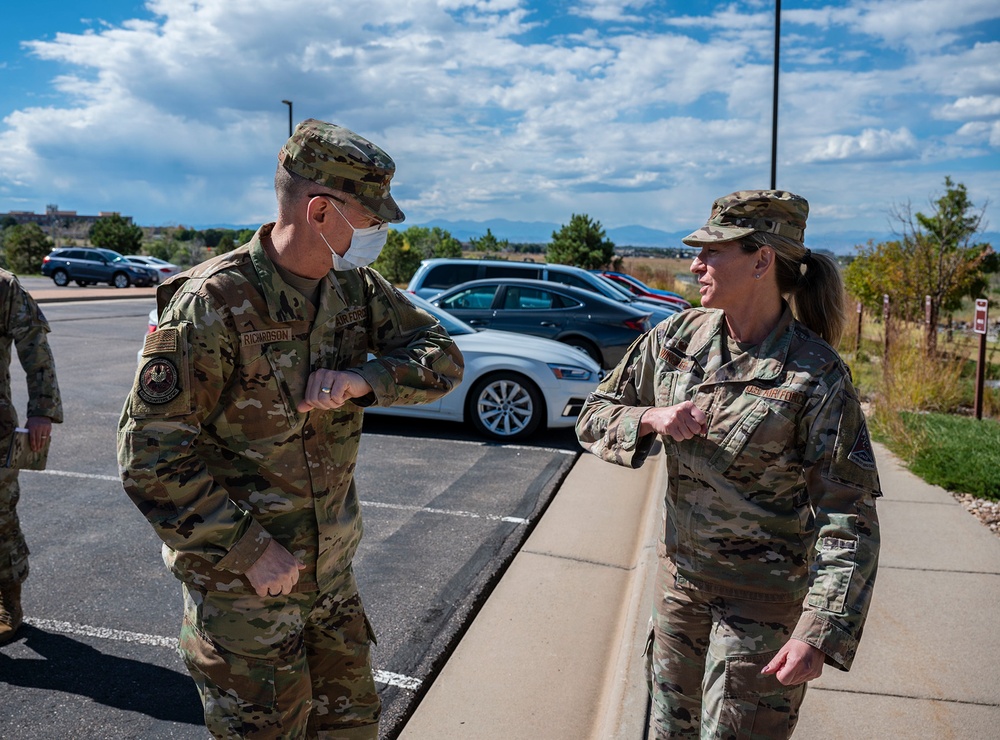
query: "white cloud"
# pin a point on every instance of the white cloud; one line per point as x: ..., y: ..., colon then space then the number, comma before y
x: 611, y: 10
x: 870, y: 145
x: 972, y: 108
x: 491, y: 110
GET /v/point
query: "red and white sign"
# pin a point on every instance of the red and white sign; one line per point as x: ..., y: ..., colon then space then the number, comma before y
x: 980, y: 322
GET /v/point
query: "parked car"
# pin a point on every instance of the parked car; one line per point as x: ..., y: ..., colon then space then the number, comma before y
x: 436, y: 275
x: 642, y: 291
x: 161, y: 268
x: 92, y: 265
x: 513, y: 384
x: 601, y: 327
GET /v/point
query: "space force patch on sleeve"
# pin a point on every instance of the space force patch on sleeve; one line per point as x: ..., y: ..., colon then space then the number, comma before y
x: 158, y: 381
x: 861, y: 453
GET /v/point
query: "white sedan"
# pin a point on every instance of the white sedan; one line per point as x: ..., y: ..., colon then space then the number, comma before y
x: 162, y: 268
x: 513, y: 383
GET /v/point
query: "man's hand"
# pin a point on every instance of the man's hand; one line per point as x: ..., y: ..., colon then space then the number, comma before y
x: 39, y: 429
x: 796, y: 662
x: 331, y: 389
x: 275, y: 572
x: 683, y: 421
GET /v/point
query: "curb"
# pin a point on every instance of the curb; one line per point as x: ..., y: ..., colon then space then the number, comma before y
x: 82, y: 294
x: 555, y: 651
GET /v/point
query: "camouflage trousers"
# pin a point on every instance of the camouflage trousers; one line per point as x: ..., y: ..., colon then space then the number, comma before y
x: 289, y: 667
x: 704, y: 657
x: 13, y: 548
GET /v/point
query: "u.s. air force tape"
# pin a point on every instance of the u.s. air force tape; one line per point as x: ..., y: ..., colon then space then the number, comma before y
x: 158, y: 381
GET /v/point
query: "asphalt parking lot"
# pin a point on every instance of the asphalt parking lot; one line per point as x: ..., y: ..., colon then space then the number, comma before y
x: 444, y: 514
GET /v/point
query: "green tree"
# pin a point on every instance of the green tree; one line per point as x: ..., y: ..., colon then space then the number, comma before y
x: 25, y: 245
x: 489, y: 245
x: 581, y: 242
x: 937, y: 256
x: 226, y: 244
x: 398, y: 260
x: 162, y: 249
x: 117, y: 233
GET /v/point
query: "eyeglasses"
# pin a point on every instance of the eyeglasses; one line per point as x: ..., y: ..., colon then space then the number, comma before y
x: 375, y: 220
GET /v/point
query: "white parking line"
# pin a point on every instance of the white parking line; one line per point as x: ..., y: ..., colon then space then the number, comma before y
x: 373, y: 504
x: 84, y: 630
x: 447, y: 512
x: 92, y: 476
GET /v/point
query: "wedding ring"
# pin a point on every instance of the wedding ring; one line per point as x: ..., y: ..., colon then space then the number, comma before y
x: 324, y: 390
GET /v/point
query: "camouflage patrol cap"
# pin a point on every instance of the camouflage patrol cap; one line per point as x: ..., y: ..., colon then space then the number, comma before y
x: 741, y: 213
x: 338, y: 158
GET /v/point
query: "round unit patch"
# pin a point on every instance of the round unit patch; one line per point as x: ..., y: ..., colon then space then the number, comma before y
x: 158, y: 381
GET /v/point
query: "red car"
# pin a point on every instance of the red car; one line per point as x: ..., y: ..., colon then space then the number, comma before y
x: 638, y: 288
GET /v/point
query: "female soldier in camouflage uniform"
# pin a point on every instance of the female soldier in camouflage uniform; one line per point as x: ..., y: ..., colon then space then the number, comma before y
x: 770, y: 538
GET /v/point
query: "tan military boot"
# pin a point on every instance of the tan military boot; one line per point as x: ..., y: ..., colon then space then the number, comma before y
x: 10, y: 611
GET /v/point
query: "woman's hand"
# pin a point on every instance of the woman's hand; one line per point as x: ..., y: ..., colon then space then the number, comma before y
x: 680, y: 422
x: 796, y: 662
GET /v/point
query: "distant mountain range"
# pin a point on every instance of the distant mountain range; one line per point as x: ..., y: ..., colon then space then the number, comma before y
x: 540, y: 232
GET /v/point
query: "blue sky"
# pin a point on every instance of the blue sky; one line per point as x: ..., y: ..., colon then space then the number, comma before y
x: 632, y: 111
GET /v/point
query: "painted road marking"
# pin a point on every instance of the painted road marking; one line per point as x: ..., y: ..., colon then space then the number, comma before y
x: 84, y: 630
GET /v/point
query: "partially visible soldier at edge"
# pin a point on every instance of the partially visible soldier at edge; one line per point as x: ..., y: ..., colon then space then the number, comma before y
x: 770, y: 539
x: 21, y: 323
x: 239, y: 439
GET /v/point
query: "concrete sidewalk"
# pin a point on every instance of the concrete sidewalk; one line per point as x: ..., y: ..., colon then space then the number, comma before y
x: 556, y: 650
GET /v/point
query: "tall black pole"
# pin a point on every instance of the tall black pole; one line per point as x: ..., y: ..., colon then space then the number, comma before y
x: 774, y: 108
x: 289, y: 104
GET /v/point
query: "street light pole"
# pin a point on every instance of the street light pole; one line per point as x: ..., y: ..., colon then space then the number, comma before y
x: 774, y: 107
x: 289, y: 104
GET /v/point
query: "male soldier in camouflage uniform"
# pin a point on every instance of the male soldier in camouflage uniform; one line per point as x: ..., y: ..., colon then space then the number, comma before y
x: 239, y: 440
x: 769, y: 545
x: 23, y: 323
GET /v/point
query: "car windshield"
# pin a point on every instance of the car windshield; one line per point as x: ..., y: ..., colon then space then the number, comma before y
x: 453, y: 326
x: 112, y: 256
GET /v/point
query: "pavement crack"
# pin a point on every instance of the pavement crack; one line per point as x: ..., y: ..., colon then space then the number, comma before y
x: 941, y: 570
x: 915, y: 697
x: 585, y: 561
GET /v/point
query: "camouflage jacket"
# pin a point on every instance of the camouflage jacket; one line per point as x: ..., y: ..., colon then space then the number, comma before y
x: 210, y: 445
x: 22, y: 323
x: 777, y: 501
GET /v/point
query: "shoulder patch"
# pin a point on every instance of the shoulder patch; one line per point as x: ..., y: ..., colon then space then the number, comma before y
x: 861, y: 453
x: 158, y: 381
x: 161, y: 340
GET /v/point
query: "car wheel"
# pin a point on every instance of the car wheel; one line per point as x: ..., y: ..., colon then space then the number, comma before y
x: 60, y: 278
x: 505, y: 407
x: 120, y: 280
x: 587, y: 346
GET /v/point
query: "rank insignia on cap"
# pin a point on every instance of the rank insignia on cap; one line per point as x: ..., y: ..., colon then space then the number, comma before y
x: 861, y: 453
x: 158, y: 381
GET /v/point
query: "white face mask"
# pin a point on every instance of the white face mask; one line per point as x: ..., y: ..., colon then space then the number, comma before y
x: 366, y: 245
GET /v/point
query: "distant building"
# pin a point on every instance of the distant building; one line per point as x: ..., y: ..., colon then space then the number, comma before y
x: 60, y: 224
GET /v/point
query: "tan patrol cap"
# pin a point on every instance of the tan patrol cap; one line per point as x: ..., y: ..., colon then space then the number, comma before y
x: 340, y: 159
x: 741, y: 213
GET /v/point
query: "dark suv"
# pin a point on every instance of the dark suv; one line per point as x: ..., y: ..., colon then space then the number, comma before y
x: 90, y: 265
